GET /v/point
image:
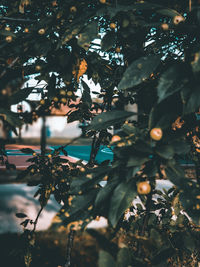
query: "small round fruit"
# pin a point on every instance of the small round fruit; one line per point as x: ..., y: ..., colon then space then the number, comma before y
x: 117, y: 50
x: 54, y: 3
x: 115, y: 138
x: 9, y: 38
x: 7, y: 29
x: 156, y: 134
x: 62, y: 92
x: 69, y: 93
x: 34, y: 154
x: 49, y: 156
x: 178, y: 19
x: 38, y: 67
x: 112, y: 25
x: 165, y: 26
x: 26, y: 30
x: 63, y: 100
x: 55, y: 99
x: 42, y: 101
x: 41, y: 31
x: 143, y: 188
x: 102, y: 1
x: 73, y: 9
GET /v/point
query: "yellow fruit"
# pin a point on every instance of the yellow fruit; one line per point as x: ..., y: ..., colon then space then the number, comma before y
x: 69, y: 93
x: 4, y: 92
x: 165, y: 26
x: 143, y: 188
x: 63, y: 100
x: 54, y: 3
x: 82, y: 169
x: 32, y: 170
x: 26, y: 30
x: 41, y: 31
x: 34, y: 154
x: 62, y: 92
x: 115, y: 138
x: 156, y: 134
x: 38, y: 67
x: 9, y: 38
x: 49, y: 156
x: 178, y: 19
x: 198, y: 150
x: 42, y: 101
x: 73, y: 9
x: 7, y: 28
x: 117, y: 50
x: 112, y: 25
x: 102, y: 1
x: 55, y: 99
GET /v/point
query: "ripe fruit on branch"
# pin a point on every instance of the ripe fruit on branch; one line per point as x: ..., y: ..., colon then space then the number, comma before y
x: 102, y: 1
x: 156, y: 134
x: 112, y: 25
x: 26, y: 30
x: 41, y: 31
x: 115, y: 138
x: 73, y: 9
x: 165, y: 26
x: 9, y: 38
x: 38, y: 67
x: 143, y: 188
x: 178, y: 19
x: 117, y: 50
x: 7, y: 28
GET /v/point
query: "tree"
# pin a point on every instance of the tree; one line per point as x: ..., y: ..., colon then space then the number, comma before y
x: 149, y: 55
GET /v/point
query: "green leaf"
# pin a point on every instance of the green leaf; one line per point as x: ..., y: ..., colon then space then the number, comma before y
x: 86, y: 97
x: 165, y: 151
x: 20, y: 215
x: 138, y: 71
x: 121, y: 199
x: 193, y: 102
x: 27, y: 151
x: 11, y: 117
x: 105, y: 259
x: 108, y: 41
x: 175, y: 174
x: 136, y: 160
x: 171, y: 81
x: 123, y: 258
x: 106, y: 119
x: 52, y: 86
x: 181, y: 147
x: 90, y: 33
x: 20, y: 95
x: 104, y: 192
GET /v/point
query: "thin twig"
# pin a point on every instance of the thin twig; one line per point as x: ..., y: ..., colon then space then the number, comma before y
x: 16, y: 19
x: 10, y: 66
x: 190, y: 5
x: 69, y: 247
x: 36, y: 220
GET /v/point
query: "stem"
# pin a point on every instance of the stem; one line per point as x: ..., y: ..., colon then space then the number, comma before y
x: 92, y: 150
x: 15, y: 19
x: 69, y: 247
x: 43, y: 136
x: 36, y: 220
x: 10, y: 66
x: 190, y: 5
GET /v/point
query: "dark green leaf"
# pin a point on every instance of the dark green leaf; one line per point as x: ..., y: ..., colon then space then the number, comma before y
x: 165, y: 151
x: 121, y: 199
x: 171, y: 81
x: 138, y: 71
x: 105, y: 259
x: 27, y: 151
x: 21, y: 215
x: 106, y: 119
x: 11, y: 117
x: 123, y: 258
x: 86, y: 97
x: 20, y: 95
x: 108, y: 41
